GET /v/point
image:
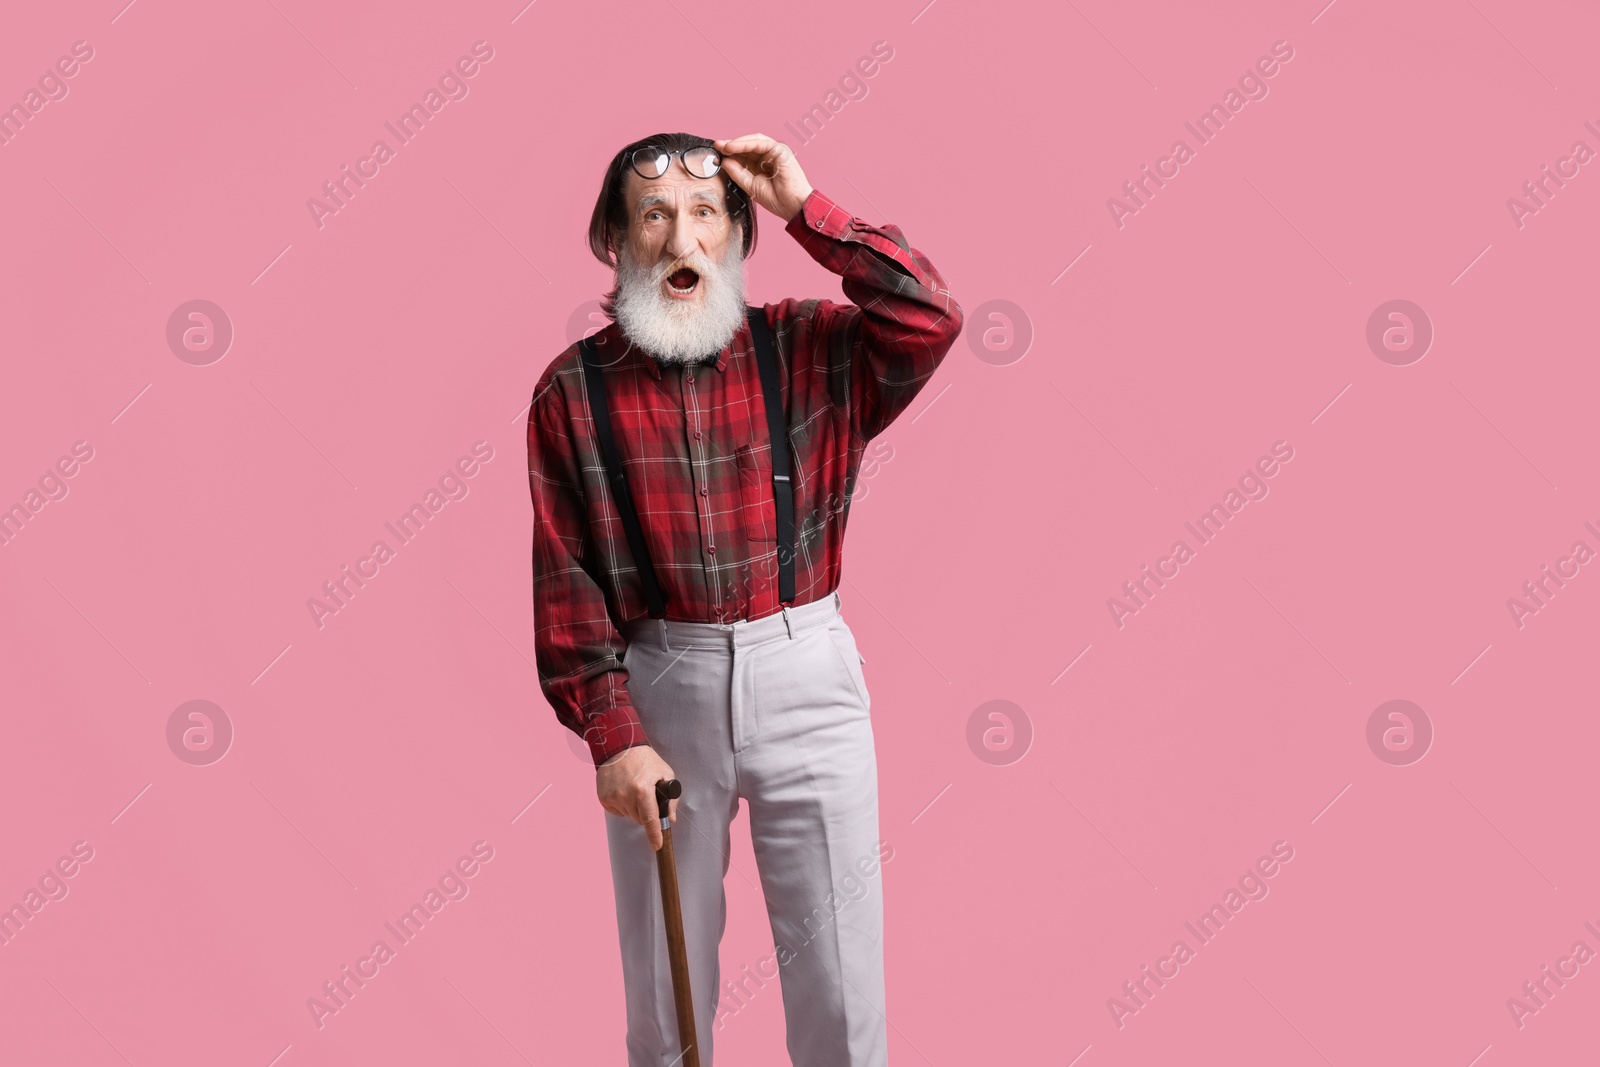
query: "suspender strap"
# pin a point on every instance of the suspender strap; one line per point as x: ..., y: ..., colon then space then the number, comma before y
x: 600, y: 411
x: 778, y: 432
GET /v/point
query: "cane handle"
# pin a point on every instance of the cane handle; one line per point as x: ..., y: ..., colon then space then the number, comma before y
x: 666, y: 792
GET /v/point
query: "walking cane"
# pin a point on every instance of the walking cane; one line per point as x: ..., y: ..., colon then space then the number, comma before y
x: 677, y: 954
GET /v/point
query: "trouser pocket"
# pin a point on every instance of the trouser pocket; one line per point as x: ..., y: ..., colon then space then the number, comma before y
x: 844, y: 646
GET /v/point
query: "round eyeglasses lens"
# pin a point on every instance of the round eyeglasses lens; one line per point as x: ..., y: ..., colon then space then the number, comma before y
x: 702, y: 162
x: 651, y: 162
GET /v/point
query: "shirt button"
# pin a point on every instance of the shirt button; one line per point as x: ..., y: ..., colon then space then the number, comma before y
x: 819, y: 224
x: 697, y: 435
x: 691, y: 379
x: 712, y: 550
x: 703, y: 492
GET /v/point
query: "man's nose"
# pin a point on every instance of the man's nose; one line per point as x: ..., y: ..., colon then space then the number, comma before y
x: 682, y: 240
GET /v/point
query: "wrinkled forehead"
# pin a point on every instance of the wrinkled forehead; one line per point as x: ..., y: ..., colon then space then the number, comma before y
x: 673, y: 190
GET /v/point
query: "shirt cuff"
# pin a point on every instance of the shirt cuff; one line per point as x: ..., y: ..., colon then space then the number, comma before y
x: 820, y: 215
x: 614, y: 730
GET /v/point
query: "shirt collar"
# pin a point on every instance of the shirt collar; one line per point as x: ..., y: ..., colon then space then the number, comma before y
x: 653, y: 365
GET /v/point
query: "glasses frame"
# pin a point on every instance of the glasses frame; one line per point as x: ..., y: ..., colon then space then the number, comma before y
x: 678, y: 154
x: 738, y: 202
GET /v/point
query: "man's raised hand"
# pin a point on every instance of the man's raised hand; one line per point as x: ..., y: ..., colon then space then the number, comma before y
x: 768, y: 171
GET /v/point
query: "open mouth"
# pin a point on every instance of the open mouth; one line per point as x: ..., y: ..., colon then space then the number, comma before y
x: 683, y: 282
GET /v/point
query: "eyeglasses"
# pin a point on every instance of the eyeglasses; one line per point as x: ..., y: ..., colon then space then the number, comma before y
x: 652, y: 161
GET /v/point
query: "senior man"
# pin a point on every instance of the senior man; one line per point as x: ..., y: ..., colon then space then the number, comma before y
x: 691, y: 466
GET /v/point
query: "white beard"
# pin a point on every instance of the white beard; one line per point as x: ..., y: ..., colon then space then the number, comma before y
x: 679, y: 331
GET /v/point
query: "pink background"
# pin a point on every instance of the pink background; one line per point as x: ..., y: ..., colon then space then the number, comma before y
x: 1230, y: 713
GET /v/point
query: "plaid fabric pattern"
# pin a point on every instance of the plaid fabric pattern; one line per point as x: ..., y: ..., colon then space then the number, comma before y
x: 699, y: 463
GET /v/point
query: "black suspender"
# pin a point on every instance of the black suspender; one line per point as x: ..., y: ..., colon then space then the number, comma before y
x: 777, y: 432
x: 600, y: 409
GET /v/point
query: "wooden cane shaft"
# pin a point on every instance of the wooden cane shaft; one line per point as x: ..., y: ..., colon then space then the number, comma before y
x: 677, y: 953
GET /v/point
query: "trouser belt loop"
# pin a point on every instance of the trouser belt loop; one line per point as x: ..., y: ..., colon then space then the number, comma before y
x: 787, y: 625
x: 662, y: 630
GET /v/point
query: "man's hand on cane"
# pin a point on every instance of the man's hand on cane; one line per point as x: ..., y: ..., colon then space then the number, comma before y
x: 768, y: 171
x: 626, y: 785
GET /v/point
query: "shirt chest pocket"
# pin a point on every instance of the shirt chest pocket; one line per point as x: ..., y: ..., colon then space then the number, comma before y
x: 757, y: 511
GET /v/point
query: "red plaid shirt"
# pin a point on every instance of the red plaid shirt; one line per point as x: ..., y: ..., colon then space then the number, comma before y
x: 695, y: 444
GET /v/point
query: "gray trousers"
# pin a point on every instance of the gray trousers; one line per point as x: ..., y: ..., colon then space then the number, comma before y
x: 775, y: 712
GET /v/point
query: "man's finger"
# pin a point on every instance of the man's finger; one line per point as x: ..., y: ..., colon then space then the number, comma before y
x: 738, y: 172
x: 652, y: 824
x: 747, y: 138
x: 751, y: 159
x: 754, y: 142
